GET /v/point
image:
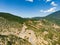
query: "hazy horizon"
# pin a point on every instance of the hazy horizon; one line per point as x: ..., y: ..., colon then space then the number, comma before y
x: 29, y: 8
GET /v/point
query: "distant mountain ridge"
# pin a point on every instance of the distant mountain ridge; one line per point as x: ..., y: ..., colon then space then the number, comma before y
x: 55, y: 15
x: 11, y: 17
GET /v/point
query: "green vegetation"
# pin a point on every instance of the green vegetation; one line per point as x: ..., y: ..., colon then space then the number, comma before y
x: 11, y: 17
x: 54, y: 17
x: 45, y: 28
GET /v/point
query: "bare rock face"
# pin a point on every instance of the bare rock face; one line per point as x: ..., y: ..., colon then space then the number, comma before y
x: 9, y: 33
x: 28, y: 35
x: 17, y: 31
x: 36, y: 40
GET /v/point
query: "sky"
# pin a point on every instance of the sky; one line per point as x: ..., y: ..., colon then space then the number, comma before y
x: 29, y: 8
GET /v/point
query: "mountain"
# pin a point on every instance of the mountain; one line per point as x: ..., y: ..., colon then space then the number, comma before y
x: 11, y: 17
x: 16, y: 30
x: 9, y: 24
x: 54, y: 17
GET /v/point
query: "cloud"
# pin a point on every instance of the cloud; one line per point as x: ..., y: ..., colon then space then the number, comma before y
x: 30, y: 0
x: 49, y: 10
x: 53, y: 4
x: 48, y: 0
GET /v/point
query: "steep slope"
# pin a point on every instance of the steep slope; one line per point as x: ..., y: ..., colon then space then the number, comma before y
x: 42, y: 31
x: 54, y: 17
x: 10, y: 27
x: 46, y: 32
